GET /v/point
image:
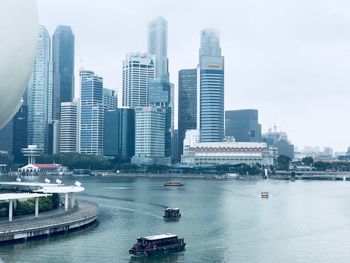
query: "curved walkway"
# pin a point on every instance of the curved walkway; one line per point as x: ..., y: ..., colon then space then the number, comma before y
x: 49, y: 222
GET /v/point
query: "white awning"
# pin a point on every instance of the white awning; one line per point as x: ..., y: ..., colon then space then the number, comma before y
x: 20, y: 196
x: 61, y: 189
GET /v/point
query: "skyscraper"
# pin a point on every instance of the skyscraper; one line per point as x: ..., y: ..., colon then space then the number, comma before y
x: 211, y: 93
x: 13, y: 136
x: 149, y: 136
x: 69, y: 127
x: 38, y: 93
x: 119, y: 133
x: 63, y: 68
x: 243, y: 125
x: 138, y: 69
x: 210, y: 43
x: 158, y: 45
x: 91, y: 113
x: 160, y: 95
x: 110, y: 100
x: 187, y: 116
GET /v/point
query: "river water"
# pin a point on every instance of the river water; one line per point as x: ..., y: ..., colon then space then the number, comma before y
x: 222, y: 221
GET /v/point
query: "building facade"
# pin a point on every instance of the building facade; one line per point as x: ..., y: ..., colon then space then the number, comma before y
x: 91, y: 113
x: 138, y: 69
x: 150, y: 136
x: 63, y: 42
x: 119, y: 133
x: 227, y: 153
x: 158, y: 45
x: 69, y: 127
x: 243, y: 125
x: 161, y: 95
x: 211, y: 91
x: 110, y: 99
x: 187, y: 112
x: 38, y: 92
x: 280, y: 141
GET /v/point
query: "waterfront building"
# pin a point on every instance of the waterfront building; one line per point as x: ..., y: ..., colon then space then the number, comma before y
x: 150, y: 136
x: 91, y: 113
x: 69, y: 127
x: 243, y: 125
x: 138, y: 69
x: 54, y: 137
x: 110, y: 99
x: 187, y: 113
x: 119, y: 133
x: 175, y: 151
x: 158, y: 45
x: 38, y: 92
x: 280, y: 141
x: 211, y: 92
x: 63, y: 68
x: 227, y: 153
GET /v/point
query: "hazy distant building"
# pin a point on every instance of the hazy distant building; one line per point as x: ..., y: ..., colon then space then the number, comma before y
x: 138, y: 69
x: 69, y: 127
x: 243, y: 125
x: 187, y: 112
x: 175, y: 152
x: 63, y: 68
x: 91, y: 113
x: 158, y: 45
x: 150, y: 136
x: 13, y: 136
x: 110, y: 99
x: 211, y: 92
x: 38, y: 92
x: 280, y: 141
x: 119, y: 133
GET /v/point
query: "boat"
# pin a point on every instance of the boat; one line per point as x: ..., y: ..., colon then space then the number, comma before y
x: 174, y: 183
x: 171, y: 214
x: 264, y: 194
x: 157, y: 245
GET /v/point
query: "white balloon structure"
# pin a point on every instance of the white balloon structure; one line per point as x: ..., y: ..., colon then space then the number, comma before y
x: 18, y: 31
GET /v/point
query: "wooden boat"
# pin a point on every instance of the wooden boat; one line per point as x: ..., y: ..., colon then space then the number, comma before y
x: 158, y: 244
x: 171, y: 214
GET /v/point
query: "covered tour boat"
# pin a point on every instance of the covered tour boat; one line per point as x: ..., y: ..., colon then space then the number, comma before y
x: 171, y: 214
x: 158, y: 244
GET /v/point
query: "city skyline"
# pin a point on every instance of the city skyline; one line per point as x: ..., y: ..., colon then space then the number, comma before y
x: 266, y: 62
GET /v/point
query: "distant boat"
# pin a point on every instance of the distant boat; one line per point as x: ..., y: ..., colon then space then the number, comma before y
x: 171, y: 214
x: 159, y: 244
x: 174, y: 183
x: 264, y: 194
x: 231, y: 175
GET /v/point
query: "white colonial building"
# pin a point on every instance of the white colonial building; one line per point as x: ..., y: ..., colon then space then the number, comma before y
x: 226, y: 153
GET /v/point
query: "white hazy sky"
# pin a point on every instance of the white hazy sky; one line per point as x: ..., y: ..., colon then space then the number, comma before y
x: 289, y: 59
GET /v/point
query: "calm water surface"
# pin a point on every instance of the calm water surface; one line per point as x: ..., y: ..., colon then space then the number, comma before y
x: 222, y: 221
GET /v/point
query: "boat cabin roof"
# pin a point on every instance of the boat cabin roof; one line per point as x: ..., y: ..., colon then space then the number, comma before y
x: 172, y: 208
x: 158, y: 237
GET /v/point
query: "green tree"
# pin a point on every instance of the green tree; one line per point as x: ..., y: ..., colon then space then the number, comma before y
x: 283, y: 162
x: 308, y: 161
